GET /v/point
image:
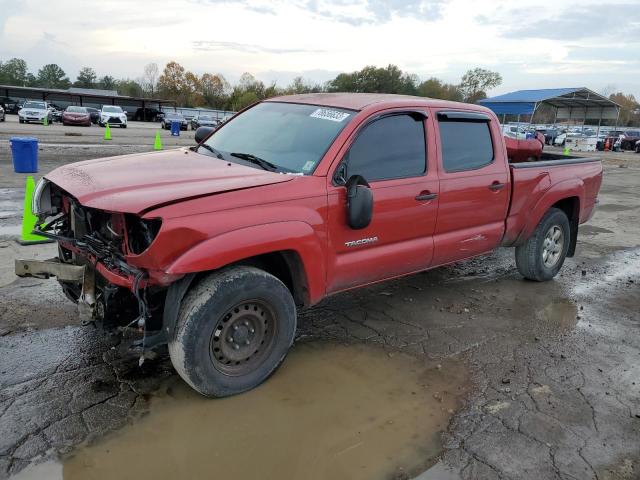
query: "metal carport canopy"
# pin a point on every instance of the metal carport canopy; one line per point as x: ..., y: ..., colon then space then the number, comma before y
x: 570, y: 103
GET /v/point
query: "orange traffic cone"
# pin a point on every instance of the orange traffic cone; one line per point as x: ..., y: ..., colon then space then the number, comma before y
x: 607, y: 146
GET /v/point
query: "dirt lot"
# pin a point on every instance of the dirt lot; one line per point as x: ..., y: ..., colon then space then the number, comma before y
x: 463, y: 372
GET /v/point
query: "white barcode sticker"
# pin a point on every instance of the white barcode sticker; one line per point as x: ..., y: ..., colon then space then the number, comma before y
x: 328, y: 114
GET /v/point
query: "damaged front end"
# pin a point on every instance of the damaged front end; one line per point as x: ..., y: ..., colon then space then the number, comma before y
x: 96, y: 263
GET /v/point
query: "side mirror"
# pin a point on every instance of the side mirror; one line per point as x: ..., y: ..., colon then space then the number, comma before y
x: 359, y: 202
x: 202, y: 133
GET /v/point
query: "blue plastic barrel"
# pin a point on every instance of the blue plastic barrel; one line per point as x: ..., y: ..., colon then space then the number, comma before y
x: 175, y: 129
x: 24, y: 151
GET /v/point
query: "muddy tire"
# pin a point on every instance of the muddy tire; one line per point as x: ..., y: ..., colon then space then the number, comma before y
x: 234, y: 329
x: 543, y: 254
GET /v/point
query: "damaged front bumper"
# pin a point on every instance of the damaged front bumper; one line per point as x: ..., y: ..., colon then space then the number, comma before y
x: 80, y: 274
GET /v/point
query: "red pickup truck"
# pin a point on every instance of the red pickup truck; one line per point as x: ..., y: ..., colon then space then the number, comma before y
x: 212, y: 249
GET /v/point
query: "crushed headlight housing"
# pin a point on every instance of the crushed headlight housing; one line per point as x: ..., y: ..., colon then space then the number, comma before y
x: 141, y: 232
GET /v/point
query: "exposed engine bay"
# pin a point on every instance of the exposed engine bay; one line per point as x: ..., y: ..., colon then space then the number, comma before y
x: 111, y: 291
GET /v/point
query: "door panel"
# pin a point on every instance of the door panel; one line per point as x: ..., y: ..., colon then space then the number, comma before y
x: 399, y: 239
x: 473, y: 203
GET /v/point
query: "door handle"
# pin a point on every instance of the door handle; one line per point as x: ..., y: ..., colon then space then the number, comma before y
x: 495, y: 186
x: 426, y: 196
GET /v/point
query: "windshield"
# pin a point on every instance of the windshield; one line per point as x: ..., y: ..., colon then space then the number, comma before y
x: 112, y: 109
x: 293, y: 137
x: 76, y: 109
x: 205, y: 117
x: 177, y: 116
x: 38, y: 105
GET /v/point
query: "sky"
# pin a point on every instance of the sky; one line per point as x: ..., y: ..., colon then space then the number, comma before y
x: 543, y: 44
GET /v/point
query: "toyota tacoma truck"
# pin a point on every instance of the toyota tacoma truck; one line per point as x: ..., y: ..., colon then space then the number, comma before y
x: 212, y: 249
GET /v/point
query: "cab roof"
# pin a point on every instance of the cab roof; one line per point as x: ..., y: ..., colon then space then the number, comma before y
x: 359, y: 101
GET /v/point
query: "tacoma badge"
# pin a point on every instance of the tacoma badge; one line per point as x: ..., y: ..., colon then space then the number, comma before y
x: 362, y: 241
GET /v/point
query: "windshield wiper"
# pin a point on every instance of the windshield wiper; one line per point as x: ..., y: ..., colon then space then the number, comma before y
x: 264, y: 164
x: 212, y: 150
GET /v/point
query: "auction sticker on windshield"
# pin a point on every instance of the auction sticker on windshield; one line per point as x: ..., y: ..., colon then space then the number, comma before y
x: 328, y: 114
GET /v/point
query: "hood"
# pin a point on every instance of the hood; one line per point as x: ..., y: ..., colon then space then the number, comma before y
x: 140, y: 182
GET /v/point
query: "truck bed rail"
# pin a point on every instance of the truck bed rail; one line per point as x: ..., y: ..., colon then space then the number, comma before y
x: 553, y: 160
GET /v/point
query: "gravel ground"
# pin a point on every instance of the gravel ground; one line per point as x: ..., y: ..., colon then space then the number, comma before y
x: 554, y: 367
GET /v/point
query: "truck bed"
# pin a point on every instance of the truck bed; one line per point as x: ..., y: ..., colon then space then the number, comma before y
x: 539, y: 185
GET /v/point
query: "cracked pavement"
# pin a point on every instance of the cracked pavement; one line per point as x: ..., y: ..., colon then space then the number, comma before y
x: 554, y: 367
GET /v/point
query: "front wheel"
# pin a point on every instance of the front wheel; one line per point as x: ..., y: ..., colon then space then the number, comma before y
x: 542, y: 255
x: 234, y: 328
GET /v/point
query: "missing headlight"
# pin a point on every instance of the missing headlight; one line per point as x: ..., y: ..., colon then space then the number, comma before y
x: 141, y: 232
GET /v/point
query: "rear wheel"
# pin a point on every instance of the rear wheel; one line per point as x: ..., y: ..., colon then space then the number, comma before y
x: 543, y: 254
x: 234, y: 328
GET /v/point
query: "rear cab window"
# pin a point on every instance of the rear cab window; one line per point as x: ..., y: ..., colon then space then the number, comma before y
x: 465, y: 140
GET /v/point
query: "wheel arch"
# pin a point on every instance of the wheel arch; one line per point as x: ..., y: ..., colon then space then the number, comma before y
x: 571, y: 207
x: 290, y: 251
x: 566, y: 196
x: 286, y: 265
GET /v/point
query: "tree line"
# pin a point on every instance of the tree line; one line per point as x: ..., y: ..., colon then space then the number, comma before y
x: 212, y: 90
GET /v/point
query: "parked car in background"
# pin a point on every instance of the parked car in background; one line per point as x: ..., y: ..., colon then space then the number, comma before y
x: 203, y: 121
x: 147, y: 114
x: 179, y: 242
x: 174, y: 117
x: 628, y: 139
x: 56, y: 112
x: 559, y: 140
x: 113, y: 115
x: 614, y: 138
x: 550, y: 134
x: 638, y: 146
x: 95, y: 115
x: 33, y: 111
x: 76, y: 116
x: 11, y: 105
x: 614, y: 142
x: 2, y: 114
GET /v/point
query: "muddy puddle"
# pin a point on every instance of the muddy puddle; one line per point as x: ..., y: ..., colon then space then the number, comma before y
x: 559, y: 314
x: 331, y: 411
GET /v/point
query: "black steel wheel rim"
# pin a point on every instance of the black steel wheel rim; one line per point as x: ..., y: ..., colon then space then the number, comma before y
x: 243, y: 337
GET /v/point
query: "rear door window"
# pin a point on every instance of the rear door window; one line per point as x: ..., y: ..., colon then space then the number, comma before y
x: 466, y: 144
